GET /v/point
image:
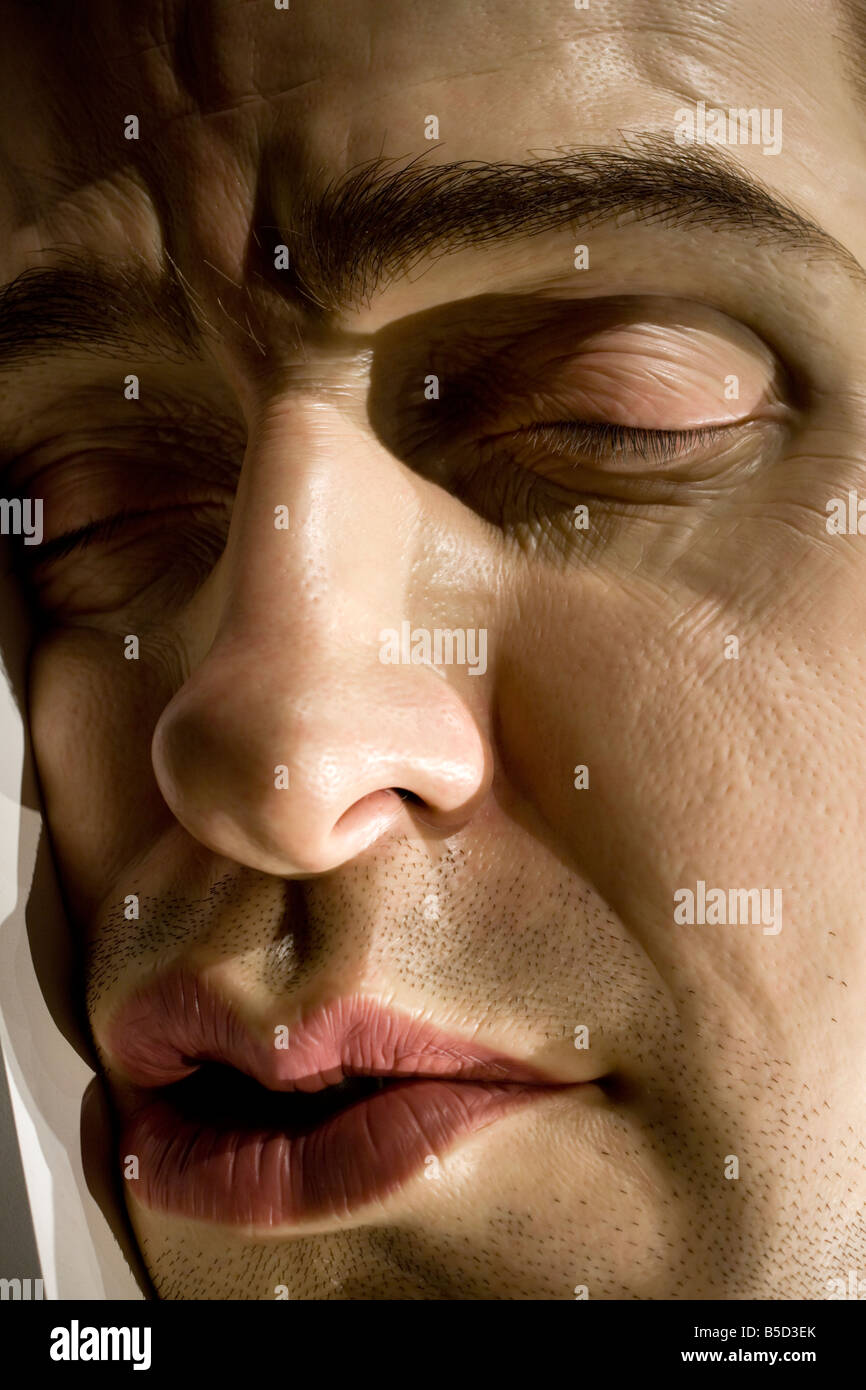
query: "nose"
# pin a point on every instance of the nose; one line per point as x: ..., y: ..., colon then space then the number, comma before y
x: 294, y: 745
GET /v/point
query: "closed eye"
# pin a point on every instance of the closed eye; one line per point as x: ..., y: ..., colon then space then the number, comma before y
x: 102, y: 530
x: 599, y: 442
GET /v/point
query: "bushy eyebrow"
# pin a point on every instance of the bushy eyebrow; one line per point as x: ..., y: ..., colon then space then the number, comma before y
x: 121, y: 310
x: 380, y: 221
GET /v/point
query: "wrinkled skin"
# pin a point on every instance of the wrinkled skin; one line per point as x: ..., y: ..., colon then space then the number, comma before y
x: 553, y: 905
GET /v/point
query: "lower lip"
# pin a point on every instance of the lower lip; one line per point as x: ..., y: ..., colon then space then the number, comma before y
x: 268, y: 1179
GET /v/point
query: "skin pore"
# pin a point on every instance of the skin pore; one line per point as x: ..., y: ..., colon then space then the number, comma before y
x: 498, y: 899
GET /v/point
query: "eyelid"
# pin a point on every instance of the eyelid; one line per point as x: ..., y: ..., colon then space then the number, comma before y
x: 663, y: 367
x: 103, y: 529
x: 591, y: 436
x: 601, y: 442
x: 653, y: 376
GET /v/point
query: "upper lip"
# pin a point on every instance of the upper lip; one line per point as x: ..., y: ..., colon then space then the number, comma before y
x: 181, y: 1019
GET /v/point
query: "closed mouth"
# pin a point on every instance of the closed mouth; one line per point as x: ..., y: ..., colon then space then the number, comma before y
x: 224, y: 1149
x: 230, y: 1127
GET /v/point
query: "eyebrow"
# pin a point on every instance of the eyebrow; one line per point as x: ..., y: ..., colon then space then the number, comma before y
x: 380, y: 221
x: 120, y: 310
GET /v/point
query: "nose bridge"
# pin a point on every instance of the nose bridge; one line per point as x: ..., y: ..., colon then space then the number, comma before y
x: 293, y: 743
x: 328, y: 521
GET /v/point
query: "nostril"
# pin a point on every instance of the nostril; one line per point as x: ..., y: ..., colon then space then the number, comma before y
x: 409, y: 796
x: 371, y: 813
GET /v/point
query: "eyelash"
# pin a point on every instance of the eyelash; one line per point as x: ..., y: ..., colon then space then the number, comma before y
x: 82, y: 536
x: 597, y: 441
x: 102, y: 529
x: 594, y: 440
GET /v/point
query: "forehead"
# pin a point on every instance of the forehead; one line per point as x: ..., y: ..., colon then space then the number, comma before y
x: 223, y: 88
x: 350, y: 80
x: 361, y: 59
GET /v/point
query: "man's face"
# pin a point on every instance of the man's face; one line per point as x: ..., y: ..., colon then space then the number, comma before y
x: 302, y: 832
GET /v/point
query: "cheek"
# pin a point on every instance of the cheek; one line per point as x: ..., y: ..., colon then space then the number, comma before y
x: 92, y: 714
x: 741, y: 771
x: 605, y: 679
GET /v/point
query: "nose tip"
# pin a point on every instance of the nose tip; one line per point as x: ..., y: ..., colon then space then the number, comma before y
x: 296, y: 790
